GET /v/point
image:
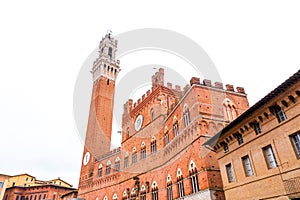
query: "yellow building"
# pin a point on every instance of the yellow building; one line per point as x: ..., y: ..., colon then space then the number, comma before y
x: 259, y: 152
x: 21, y: 180
x: 3, y: 184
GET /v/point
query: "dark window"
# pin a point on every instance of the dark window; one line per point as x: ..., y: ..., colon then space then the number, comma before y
x: 108, y: 169
x: 167, y: 138
x: 279, y: 112
x: 296, y: 142
x: 170, y: 192
x: 175, y: 129
x: 100, y: 172
x: 117, y: 166
x: 143, y: 153
x: 155, y: 194
x: 229, y: 171
x: 17, y: 197
x: 110, y: 52
x: 152, y: 114
x: 257, y: 128
x: 239, y: 138
x: 1, y: 184
x: 194, y: 182
x: 225, y: 147
x: 153, y: 147
x: 181, y: 188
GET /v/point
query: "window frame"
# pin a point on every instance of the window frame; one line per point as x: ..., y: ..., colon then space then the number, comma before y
x: 247, y: 162
x: 269, y: 163
x: 230, y: 173
x: 296, y: 144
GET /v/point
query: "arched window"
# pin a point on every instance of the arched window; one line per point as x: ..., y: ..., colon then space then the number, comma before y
x: 143, y: 193
x: 105, y: 198
x: 115, y: 197
x: 117, y: 164
x: 134, y: 156
x: 153, y: 144
x: 229, y: 110
x: 108, y: 167
x: 143, y: 151
x: 186, y: 115
x: 180, y: 183
x: 175, y: 126
x: 152, y: 114
x: 169, y: 187
x: 100, y: 170
x: 154, y: 191
x: 193, y: 177
x: 126, y: 160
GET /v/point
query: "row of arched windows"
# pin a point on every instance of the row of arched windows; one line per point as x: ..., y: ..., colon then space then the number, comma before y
x: 180, y: 183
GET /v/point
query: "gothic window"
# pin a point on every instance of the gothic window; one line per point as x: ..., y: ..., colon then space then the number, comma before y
x: 194, y: 177
x: 134, y: 157
x: 152, y: 114
x: 154, y: 192
x: 170, y: 192
x: 153, y: 146
x: 110, y: 52
x: 180, y: 183
x: 126, y: 162
x: 108, y: 167
x: 175, y: 129
x: 186, y: 116
x: 229, y: 110
x: 100, y: 170
x: 143, y: 153
x: 167, y: 138
x: 117, y: 164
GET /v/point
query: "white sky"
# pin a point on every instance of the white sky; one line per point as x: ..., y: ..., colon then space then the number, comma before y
x: 44, y: 43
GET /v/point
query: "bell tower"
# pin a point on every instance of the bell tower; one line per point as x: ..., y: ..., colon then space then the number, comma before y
x: 99, y: 129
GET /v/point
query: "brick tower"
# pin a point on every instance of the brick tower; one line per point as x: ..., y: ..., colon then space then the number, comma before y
x: 98, y: 136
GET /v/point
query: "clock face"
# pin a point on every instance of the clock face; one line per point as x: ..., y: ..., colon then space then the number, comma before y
x: 138, y: 123
x: 86, y: 158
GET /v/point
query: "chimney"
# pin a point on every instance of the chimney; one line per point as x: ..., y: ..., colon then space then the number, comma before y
x: 177, y: 87
x: 169, y: 85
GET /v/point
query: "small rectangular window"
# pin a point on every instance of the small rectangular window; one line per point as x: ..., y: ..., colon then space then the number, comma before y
x: 240, y: 138
x: 257, y: 128
x: 230, y: 174
x: 270, y: 157
x: 247, y: 166
x: 225, y: 147
x: 296, y: 142
x: 117, y: 166
x: 1, y: 184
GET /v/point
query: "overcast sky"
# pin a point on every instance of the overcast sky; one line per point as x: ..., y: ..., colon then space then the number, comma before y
x: 44, y: 43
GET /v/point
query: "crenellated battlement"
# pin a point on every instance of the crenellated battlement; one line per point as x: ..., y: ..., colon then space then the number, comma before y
x: 158, y: 81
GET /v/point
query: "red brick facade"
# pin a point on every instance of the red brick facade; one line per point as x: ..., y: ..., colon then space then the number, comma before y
x: 161, y: 154
x: 40, y: 192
